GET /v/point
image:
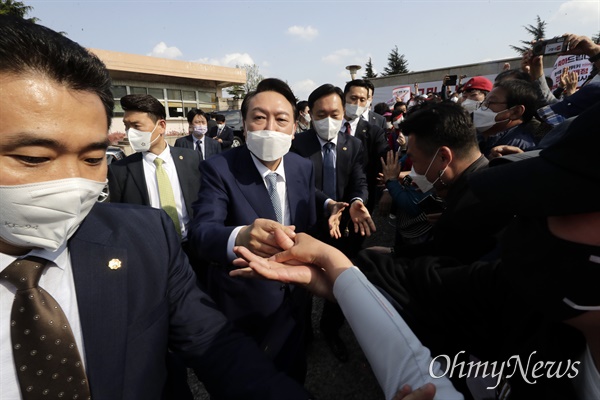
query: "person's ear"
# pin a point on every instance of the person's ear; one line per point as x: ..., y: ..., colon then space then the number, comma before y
x: 445, y: 155
x: 516, y: 112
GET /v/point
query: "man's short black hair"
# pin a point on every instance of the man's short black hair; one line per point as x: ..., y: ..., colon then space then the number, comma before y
x: 441, y: 124
x: 522, y: 93
x: 271, y: 85
x: 512, y: 74
x: 302, y: 105
x: 144, y: 103
x: 371, y: 86
x: 192, y: 114
x: 28, y: 48
x: 325, y: 90
x: 220, y: 118
x: 399, y: 104
x: 360, y: 83
x: 381, y: 108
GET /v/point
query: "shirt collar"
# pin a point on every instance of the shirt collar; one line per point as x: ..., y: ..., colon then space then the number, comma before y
x: 334, y: 140
x: 58, y: 257
x: 264, y: 171
x: 149, y: 157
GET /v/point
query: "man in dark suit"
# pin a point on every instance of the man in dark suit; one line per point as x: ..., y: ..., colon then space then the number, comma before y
x: 373, y: 137
x: 245, y: 194
x: 117, y: 271
x: 135, y: 178
x: 198, y: 127
x: 221, y: 133
x: 341, y: 183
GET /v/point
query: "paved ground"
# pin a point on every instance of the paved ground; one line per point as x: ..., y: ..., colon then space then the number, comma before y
x: 327, y: 378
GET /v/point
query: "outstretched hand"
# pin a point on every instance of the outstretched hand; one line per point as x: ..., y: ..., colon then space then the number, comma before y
x: 305, y: 261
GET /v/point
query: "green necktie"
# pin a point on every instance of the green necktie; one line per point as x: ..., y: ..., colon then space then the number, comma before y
x: 165, y: 193
x: 44, y: 350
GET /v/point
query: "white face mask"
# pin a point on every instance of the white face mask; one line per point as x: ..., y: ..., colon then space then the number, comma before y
x: 307, y: 118
x: 327, y: 128
x: 470, y: 105
x: 389, y: 125
x: 199, y: 130
x: 354, y: 111
x: 421, y: 181
x: 139, y: 140
x: 220, y: 126
x: 46, y: 214
x: 268, y: 145
x: 484, y: 120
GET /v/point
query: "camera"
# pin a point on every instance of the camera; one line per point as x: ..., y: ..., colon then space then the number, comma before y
x: 550, y: 46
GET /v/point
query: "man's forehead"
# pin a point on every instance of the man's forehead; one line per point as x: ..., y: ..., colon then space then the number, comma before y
x: 358, y: 90
x: 270, y: 102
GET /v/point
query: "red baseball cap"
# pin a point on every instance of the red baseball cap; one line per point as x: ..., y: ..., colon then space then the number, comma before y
x: 478, y: 82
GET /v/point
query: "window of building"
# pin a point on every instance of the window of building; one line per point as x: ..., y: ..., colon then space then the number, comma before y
x: 158, y: 93
x: 138, y: 90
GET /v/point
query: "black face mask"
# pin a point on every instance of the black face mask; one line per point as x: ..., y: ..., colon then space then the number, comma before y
x: 554, y: 276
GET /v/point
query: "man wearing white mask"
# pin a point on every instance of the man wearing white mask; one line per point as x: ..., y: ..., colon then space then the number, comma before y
x: 373, y: 137
x: 246, y: 193
x: 505, y: 117
x: 443, y: 150
x: 303, y: 117
x: 139, y: 179
x: 197, y: 139
x: 341, y: 184
x: 369, y: 115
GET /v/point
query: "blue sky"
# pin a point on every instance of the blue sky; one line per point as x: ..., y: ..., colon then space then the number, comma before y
x: 308, y: 43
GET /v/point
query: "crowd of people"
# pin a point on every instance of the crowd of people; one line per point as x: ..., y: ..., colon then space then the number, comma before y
x: 206, y: 256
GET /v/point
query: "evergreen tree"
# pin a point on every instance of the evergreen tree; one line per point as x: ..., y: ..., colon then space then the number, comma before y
x: 538, y: 31
x: 16, y: 8
x: 253, y: 78
x: 369, y: 70
x: 397, y: 64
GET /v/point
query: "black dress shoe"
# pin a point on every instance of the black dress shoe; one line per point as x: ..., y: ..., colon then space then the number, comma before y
x: 337, y: 347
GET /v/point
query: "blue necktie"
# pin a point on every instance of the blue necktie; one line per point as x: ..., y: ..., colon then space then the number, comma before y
x: 272, y: 188
x: 329, y: 170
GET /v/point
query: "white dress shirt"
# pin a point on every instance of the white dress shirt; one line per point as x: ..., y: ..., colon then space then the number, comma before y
x: 57, y: 280
x: 152, y: 184
x: 396, y: 356
x: 281, y: 191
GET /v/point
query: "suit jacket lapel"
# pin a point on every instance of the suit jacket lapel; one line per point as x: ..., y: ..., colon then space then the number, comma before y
x: 136, y: 171
x: 252, y: 186
x: 183, y: 165
x: 102, y: 301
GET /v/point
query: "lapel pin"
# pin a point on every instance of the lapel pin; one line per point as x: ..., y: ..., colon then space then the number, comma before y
x: 344, y: 148
x: 115, y: 263
x: 181, y: 157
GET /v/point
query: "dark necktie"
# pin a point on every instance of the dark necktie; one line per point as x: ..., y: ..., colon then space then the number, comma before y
x: 199, y: 148
x: 46, y: 357
x: 348, y: 128
x: 329, y: 170
x: 272, y: 189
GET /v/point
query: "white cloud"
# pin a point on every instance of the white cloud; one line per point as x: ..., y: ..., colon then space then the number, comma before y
x: 339, y: 56
x: 229, y: 60
x: 303, y: 88
x: 163, y: 51
x: 582, y: 14
x: 266, y: 64
x: 303, y: 32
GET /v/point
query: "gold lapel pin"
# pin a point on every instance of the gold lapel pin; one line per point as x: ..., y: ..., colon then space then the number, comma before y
x: 344, y: 148
x: 181, y: 157
x: 115, y: 263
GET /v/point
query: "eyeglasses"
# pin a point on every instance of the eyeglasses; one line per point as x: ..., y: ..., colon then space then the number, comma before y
x: 485, y: 105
